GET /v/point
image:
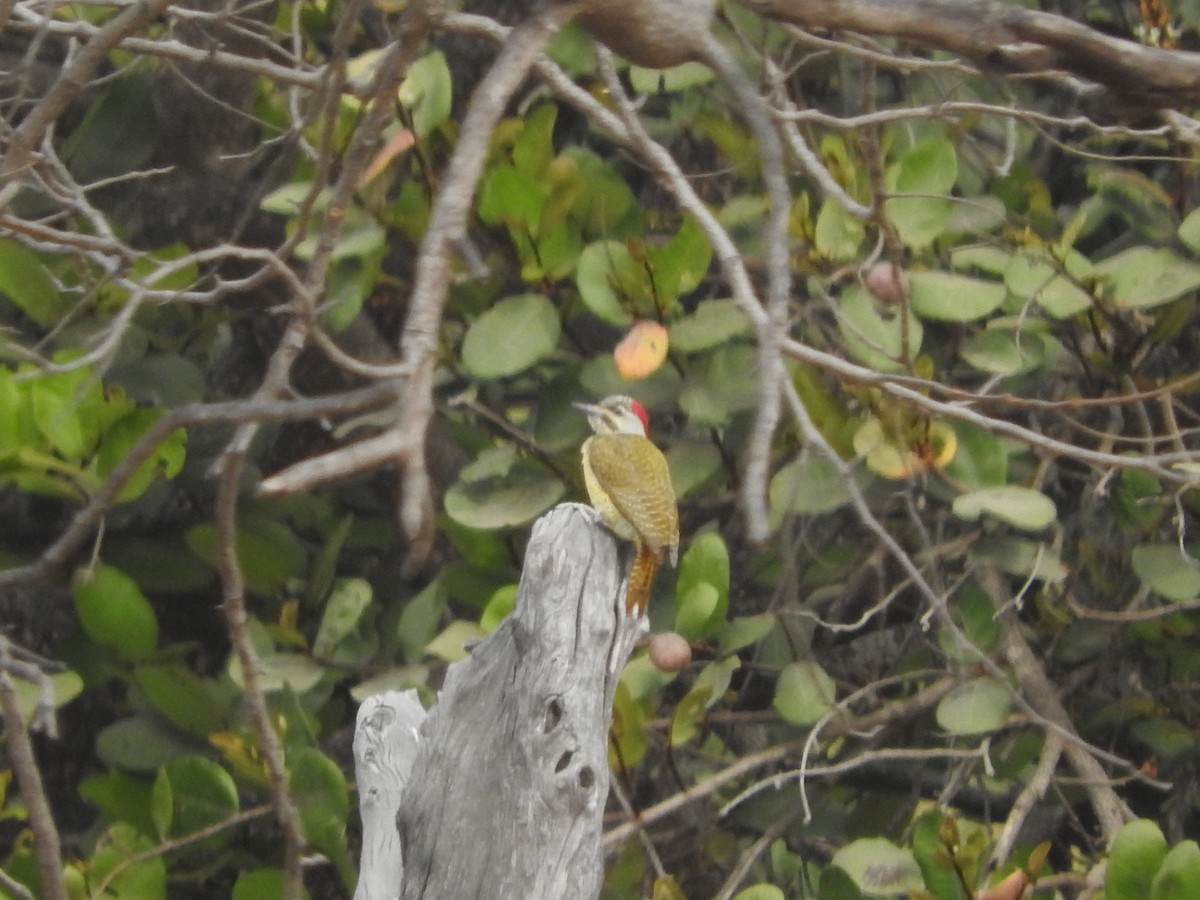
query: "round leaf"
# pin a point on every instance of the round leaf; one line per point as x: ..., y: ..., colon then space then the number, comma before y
x: 1179, y: 873
x: 804, y: 692
x: 879, y: 868
x: 202, y: 794
x: 875, y: 338
x: 319, y: 789
x: 713, y: 323
x: 1167, y: 570
x: 1137, y: 852
x: 954, y: 298
x: 140, y: 744
x: 807, y: 485
x: 1145, y: 277
x: 114, y: 612
x: 507, y: 501
x: 1005, y: 350
x: 602, y: 266
x: 510, y: 337
x: 1020, y: 507
x: 975, y: 707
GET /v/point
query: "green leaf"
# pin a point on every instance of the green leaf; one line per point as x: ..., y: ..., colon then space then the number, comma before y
x: 837, y: 234
x: 1189, y: 231
x: 1166, y: 738
x: 743, y: 631
x: 269, y: 553
x: 714, y: 322
x: 515, y: 334
x: 166, y: 461
x: 975, y: 707
x: 427, y: 92
x: 1032, y: 276
x: 804, y: 692
x: 278, y: 671
x: 980, y: 460
x: 679, y: 265
x: 605, y: 266
x: 1165, y: 568
x: 195, y: 704
x: 347, y: 602
x: 670, y: 80
x: 807, y: 485
x: 696, y: 610
x: 693, y: 465
x: 512, y: 197
x: 162, y: 805
x: 451, y: 644
x: 1018, y: 556
x: 1137, y: 853
x: 760, y: 892
x: 323, y: 803
x: 119, y: 132
x: 64, y: 687
x: 937, y: 867
x: 954, y: 298
x: 703, y: 587
x: 875, y: 337
x: 688, y: 713
x: 114, y: 611
x: 140, y: 744
x: 1179, y: 873
x: 202, y: 794
x: 144, y: 879
x: 716, y: 388
x: 533, y: 147
x: 498, y: 607
x: 1019, y: 506
x: 929, y: 169
x: 1146, y: 277
x: 261, y: 884
x: 59, y: 404
x: 503, y: 501
x: 879, y: 868
x: 1007, y: 350
x: 25, y: 282
x: 978, y: 617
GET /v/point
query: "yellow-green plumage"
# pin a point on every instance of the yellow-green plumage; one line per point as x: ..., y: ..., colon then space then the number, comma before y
x: 630, y: 486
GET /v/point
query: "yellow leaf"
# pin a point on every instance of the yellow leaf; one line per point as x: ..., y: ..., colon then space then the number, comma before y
x: 642, y: 350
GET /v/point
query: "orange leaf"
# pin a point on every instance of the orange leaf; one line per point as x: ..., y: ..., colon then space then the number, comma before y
x: 642, y: 350
x: 397, y: 144
x: 1011, y: 888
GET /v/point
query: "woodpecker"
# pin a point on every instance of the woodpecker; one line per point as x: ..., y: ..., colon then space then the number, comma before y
x: 630, y: 486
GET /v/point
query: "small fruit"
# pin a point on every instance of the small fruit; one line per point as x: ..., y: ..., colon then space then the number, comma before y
x: 642, y: 350
x: 669, y: 651
x: 887, y: 282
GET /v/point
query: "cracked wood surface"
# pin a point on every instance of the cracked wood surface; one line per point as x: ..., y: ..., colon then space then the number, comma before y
x: 510, y: 777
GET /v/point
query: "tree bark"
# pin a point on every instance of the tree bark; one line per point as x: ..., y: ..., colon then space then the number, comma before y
x: 510, y: 775
x: 385, y: 743
x: 1005, y: 37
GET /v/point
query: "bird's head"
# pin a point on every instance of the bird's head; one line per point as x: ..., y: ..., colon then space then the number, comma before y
x: 616, y: 415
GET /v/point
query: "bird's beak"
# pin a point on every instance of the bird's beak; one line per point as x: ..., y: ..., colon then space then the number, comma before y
x: 588, y: 409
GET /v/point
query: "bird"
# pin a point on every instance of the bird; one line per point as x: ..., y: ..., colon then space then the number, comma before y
x: 629, y: 484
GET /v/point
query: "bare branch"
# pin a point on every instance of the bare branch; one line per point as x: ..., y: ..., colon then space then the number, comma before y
x: 1007, y: 38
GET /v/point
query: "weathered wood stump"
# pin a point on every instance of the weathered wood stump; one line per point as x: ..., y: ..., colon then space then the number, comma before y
x: 510, y: 775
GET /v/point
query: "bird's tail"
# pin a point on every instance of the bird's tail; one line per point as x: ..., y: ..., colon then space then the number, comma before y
x: 645, y: 564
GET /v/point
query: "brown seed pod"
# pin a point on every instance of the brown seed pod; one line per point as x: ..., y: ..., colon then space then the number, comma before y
x: 669, y: 651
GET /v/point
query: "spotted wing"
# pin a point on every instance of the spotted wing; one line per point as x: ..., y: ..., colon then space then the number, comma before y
x: 635, y: 476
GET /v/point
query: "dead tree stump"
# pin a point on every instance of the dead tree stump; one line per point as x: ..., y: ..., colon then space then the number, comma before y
x: 510, y: 778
